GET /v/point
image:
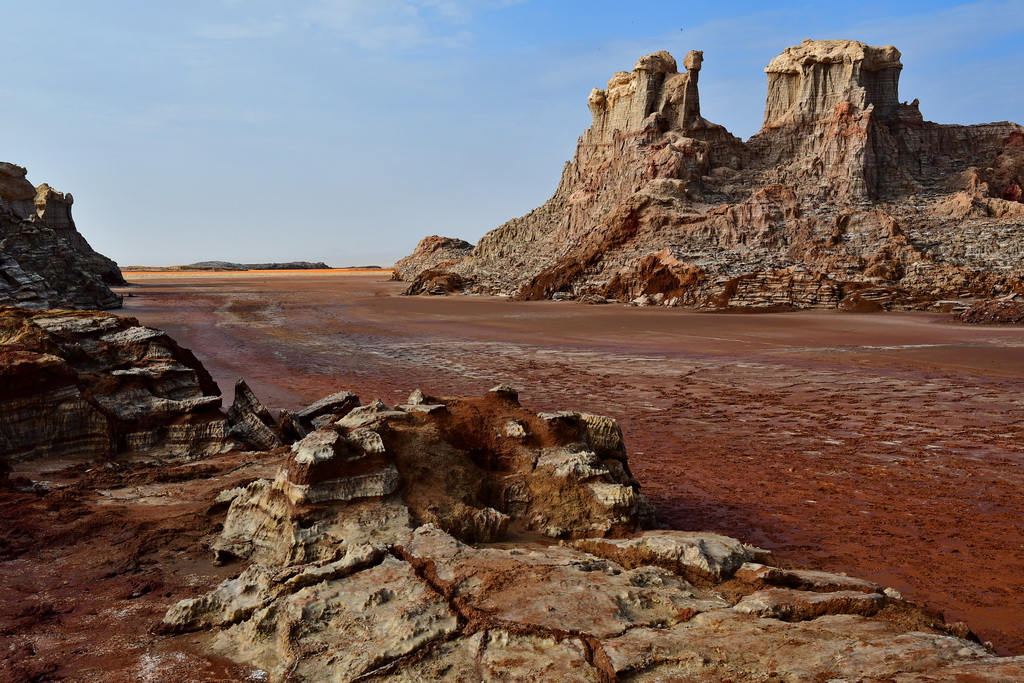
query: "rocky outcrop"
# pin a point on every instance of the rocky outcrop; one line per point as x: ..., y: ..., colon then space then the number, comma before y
x: 479, y: 469
x: 77, y: 383
x: 845, y: 193
x: 1003, y: 310
x: 44, y: 261
x: 424, y: 532
x: 433, y: 252
x: 250, y: 420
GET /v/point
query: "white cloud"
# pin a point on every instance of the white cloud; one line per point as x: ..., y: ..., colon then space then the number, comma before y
x: 946, y: 31
x: 387, y: 24
x: 376, y: 25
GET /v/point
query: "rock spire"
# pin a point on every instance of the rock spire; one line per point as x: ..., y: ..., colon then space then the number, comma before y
x: 845, y: 198
x: 806, y: 82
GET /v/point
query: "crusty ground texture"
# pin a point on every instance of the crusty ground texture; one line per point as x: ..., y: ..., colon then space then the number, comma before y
x: 886, y: 446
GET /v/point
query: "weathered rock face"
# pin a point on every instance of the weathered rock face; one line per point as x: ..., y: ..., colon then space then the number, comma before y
x: 806, y: 82
x: 431, y: 253
x: 402, y: 544
x: 844, y: 193
x: 1004, y: 310
x: 835, y: 129
x: 87, y: 384
x: 820, y: 131
x: 44, y: 261
x: 477, y: 468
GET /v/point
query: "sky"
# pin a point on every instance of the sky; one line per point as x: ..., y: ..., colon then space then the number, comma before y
x: 344, y: 131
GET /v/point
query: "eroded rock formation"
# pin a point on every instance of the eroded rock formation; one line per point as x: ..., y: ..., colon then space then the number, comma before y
x: 433, y: 252
x: 806, y: 82
x: 846, y: 197
x: 82, y: 383
x: 44, y: 261
x: 416, y: 543
x: 477, y: 468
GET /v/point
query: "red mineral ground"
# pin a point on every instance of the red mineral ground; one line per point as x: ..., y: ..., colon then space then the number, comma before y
x: 887, y: 446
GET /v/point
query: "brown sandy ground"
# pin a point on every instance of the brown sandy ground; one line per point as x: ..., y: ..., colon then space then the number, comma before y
x: 90, y: 567
x: 885, y: 446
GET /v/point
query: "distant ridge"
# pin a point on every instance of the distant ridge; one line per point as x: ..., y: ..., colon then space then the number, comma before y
x: 228, y: 265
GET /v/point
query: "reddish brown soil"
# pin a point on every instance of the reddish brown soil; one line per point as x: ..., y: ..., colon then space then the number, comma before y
x: 89, y: 568
x: 887, y: 446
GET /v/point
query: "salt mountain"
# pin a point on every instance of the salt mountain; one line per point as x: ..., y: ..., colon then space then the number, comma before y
x: 846, y: 198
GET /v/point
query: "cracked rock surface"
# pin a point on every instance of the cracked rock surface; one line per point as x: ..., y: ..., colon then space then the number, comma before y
x: 434, y: 608
x: 478, y: 541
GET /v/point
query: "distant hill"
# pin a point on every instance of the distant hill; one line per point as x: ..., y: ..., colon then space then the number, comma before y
x: 228, y: 265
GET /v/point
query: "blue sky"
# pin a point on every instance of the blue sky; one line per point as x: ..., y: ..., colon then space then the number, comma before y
x: 345, y: 130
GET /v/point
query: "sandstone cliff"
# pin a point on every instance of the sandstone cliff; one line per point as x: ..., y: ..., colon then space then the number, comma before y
x: 846, y: 197
x: 44, y: 261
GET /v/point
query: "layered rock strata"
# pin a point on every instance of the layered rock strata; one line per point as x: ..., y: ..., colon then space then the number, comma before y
x: 478, y: 468
x: 434, y: 252
x: 416, y: 542
x: 44, y: 261
x: 846, y: 197
x: 81, y: 383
